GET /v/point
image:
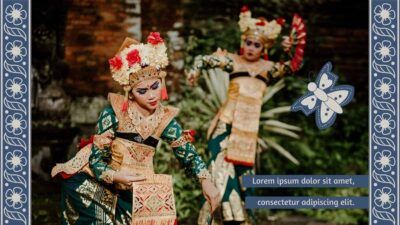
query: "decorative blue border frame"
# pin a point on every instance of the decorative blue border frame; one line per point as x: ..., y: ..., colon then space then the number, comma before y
x: 15, y: 112
x: 384, y: 112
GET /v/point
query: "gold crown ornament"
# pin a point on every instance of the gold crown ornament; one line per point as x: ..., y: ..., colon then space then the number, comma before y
x: 259, y: 28
x: 136, y: 62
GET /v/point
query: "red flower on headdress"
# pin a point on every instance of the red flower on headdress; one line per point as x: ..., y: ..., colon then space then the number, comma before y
x: 115, y: 62
x: 245, y: 8
x: 154, y: 38
x: 260, y: 23
x: 133, y: 57
x: 280, y: 21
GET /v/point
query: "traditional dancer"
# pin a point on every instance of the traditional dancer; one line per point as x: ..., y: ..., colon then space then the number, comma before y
x: 234, y: 131
x: 111, y: 180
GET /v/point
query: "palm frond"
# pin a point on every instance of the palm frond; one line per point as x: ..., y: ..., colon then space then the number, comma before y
x: 204, y: 107
x: 281, y: 131
x: 272, y: 90
x: 211, y: 88
x: 280, y: 124
x: 219, y: 80
x: 272, y: 112
x: 280, y: 149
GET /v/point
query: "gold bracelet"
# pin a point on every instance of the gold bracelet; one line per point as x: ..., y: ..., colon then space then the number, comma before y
x: 108, y: 176
x: 182, y: 140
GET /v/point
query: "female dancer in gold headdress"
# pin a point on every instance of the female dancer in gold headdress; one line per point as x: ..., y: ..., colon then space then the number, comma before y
x: 234, y: 131
x: 112, y: 180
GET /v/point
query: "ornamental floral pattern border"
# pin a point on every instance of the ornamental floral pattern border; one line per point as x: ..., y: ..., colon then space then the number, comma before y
x: 384, y: 131
x: 15, y: 112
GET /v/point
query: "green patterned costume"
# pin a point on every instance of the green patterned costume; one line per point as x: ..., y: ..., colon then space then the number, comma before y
x: 90, y: 197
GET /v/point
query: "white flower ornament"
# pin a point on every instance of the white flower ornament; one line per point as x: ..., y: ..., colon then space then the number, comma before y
x: 384, y: 123
x: 15, y: 198
x: 384, y: 161
x: 384, y: 88
x: 384, y: 198
x: 15, y: 123
x: 15, y: 14
x: 15, y: 160
x: 15, y: 88
x: 15, y: 51
x: 384, y: 14
x: 384, y: 51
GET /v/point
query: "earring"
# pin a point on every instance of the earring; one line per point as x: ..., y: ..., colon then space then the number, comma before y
x: 241, y: 51
x: 265, y: 55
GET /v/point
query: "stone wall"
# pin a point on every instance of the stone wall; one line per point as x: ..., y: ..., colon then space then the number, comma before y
x: 94, y: 32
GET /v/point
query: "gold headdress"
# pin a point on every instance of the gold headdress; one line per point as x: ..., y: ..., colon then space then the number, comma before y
x: 258, y: 28
x: 136, y: 62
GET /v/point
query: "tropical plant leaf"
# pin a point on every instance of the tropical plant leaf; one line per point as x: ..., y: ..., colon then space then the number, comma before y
x: 218, y: 83
x: 272, y: 90
x: 262, y: 143
x: 209, y: 84
x: 223, y: 79
x: 281, y: 150
x: 272, y: 112
x: 282, y: 125
x: 281, y: 131
x: 204, y: 107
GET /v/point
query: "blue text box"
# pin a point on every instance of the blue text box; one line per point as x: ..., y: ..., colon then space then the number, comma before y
x: 306, y: 202
x: 296, y: 181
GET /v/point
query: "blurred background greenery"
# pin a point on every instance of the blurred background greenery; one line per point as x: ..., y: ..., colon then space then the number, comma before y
x: 336, y: 31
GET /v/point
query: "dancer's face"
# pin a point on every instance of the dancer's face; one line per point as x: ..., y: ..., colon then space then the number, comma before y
x: 147, y: 94
x: 252, y: 49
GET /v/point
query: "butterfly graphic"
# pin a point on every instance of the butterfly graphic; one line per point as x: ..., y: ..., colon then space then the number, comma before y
x: 325, y: 98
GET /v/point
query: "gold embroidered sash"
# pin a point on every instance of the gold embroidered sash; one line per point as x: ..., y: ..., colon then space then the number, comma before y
x: 242, y: 143
x: 153, y: 201
x: 243, y: 112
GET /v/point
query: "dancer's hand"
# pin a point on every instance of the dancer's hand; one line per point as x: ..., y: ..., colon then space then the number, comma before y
x: 220, y: 52
x: 192, y: 76
x: 286, y: 43
x: 127, y: 177
x: 211, y: 193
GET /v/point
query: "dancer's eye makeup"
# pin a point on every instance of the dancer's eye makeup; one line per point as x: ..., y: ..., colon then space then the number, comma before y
x: 256, y: 44
x: 141, y: 91
x: 155, y: 85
